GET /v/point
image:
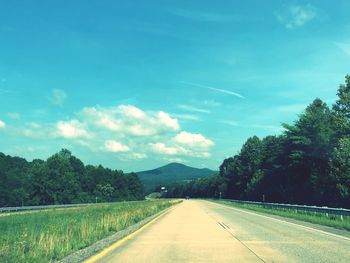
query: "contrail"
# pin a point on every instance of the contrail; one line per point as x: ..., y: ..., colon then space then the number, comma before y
x: 227, y: 92
x: 216, y: 89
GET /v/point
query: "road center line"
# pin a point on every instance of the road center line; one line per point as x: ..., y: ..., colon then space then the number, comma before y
x: 229, y: 230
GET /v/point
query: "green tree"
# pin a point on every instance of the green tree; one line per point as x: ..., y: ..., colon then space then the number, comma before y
x: 341, y: 109
x: 342, y: 105
x: 135, y: 187
x: 309, y: 146
x: 340, y: 173
x: 104, y: 192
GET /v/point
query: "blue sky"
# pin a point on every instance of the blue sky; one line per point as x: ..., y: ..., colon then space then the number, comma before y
x: 137, y: 84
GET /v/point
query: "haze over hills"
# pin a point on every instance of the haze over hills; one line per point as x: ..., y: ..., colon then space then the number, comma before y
x: 170, y: 173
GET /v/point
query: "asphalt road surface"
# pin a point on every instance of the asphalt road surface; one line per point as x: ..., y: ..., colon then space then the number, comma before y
x: 202, y: 231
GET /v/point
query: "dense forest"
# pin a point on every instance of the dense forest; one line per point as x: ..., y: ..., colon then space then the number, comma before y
x: 309, y: 163
x: 63, y: 179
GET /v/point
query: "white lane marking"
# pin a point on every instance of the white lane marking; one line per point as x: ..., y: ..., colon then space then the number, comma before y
x: 221, y: 225
x: 286, y: 222
x: 225, y: 225
x: 228, y: 229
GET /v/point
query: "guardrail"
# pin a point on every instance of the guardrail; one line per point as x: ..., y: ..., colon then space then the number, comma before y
x: 304, y: 208
x: 41, y: 207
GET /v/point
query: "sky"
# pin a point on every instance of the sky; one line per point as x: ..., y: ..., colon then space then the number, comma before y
x: 134, y: 85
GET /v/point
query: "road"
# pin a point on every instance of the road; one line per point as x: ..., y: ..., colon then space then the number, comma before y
x: 202, y: 231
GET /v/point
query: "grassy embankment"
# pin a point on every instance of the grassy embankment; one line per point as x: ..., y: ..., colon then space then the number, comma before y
x: 312, y: 217
x: 52, y: 234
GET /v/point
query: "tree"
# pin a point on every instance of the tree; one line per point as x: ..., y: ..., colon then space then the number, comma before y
x: 309, y: 144
x: 104, y: 192
x: 135, y: 187
x: 341, y: 109
x: 342, y: 105
x: 340, y: 173
x: 62, y: 179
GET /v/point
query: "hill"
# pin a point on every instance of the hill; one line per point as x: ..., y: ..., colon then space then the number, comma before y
x: 170, y: 173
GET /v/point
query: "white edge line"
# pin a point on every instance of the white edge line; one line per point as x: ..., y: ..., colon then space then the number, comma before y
x: 290, y: 223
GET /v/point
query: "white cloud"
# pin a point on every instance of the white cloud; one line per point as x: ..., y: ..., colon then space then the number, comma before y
x: 163, y: 149
x: 122, y: 129
x: 72, y: 129
x: 2, y: 124
x: 297, y: 15
x: 14, y: 115
x: 114, y: 146
x: 193, y: 140
x: 184, y: 144
x: 131, y: 112
x: 130, y: 120
x: 102, y: 118
x: 190, y: 108
x: 180, y: 150
x: 58, y: 97
x: 141, y: 130
x: 168, y: 121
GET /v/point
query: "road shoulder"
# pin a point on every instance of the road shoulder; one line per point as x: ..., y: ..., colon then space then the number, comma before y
x: 99, y: 246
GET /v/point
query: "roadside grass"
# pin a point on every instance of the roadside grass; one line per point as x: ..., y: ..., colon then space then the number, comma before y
x: 312, y: 217
x: 50, y: 235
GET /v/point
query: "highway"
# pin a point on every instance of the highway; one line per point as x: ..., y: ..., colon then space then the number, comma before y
x: 202, y: 231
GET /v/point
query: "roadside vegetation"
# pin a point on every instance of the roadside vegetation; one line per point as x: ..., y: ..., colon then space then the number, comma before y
x: 340, y: 222
x: 50, y: 235
x: 63, y: 179
x: 308, y: 163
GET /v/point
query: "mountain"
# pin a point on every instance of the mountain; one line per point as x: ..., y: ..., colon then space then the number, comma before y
x: 170, y: 173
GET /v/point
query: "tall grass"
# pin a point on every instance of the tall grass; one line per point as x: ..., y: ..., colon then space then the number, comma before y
x: 50, y: 235
x: 340, y: 222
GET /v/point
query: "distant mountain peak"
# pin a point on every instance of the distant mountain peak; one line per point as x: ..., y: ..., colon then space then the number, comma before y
x: 171, y: 173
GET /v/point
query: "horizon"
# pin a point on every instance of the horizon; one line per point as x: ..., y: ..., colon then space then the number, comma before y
x: 154, y: 168
x: 133, y: 86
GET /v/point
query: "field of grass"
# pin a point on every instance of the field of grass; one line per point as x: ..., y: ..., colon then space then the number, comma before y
x: 50, y: 235
x: 312, y: 217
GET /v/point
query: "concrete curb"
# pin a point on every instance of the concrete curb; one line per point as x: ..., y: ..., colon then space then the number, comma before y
x: 85, y: 253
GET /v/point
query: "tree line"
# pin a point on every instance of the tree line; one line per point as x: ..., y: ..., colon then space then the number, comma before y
x: 63, y: 179
x: 309, y: 163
